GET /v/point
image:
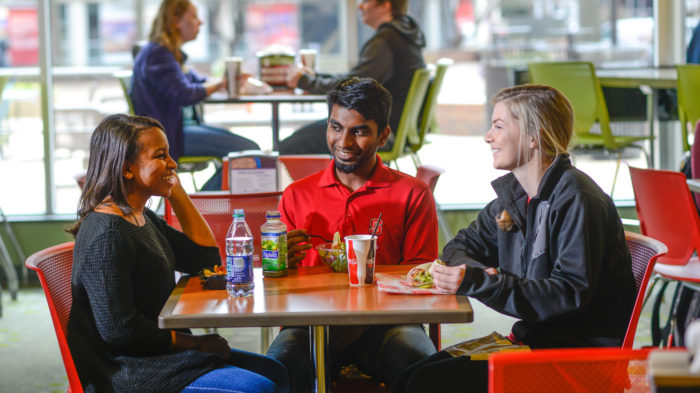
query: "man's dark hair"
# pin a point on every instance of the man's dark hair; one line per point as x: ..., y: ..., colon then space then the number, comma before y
x: 366, y: 96
x: 398, y: 7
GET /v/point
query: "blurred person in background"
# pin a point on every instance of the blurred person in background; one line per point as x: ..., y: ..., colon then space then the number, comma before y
x: 390, y: 57
x: 162, y: 85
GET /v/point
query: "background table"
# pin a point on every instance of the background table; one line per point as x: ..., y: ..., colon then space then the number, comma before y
x: 274, y: 99
x: 665, y: 150
x: 308, y: 296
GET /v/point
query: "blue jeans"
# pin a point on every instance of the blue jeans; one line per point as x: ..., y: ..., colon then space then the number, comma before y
x: 204, y: 140
x: 246, y: 373
x: 381, y: 351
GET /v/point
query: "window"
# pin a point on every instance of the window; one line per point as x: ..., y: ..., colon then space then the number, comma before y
x: 92, y: 39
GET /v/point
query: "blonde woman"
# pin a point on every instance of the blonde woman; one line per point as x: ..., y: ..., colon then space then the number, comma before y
x: 162, y: 85
x: 550, y: 250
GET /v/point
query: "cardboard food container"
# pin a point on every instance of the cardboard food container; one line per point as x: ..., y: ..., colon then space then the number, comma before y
x: 275, y: 65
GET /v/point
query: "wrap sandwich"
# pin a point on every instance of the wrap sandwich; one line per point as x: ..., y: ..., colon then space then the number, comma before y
x: 421, y: 276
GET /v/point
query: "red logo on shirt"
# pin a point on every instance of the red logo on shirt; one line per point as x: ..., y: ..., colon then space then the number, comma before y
x: 373, y: 222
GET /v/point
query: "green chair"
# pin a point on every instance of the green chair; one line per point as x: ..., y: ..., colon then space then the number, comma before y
x: 428, y: 118
x: 688, y: 86
x: 124, y: 78
x: 409, y: 117
x: 579, y: 83
x: 189, y: 164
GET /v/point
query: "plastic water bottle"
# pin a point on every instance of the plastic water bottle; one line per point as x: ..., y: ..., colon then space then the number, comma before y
x: 274, y: 245
x: 239, y: 257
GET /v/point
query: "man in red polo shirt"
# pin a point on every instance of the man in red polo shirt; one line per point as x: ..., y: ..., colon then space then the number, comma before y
x: 348, y: 197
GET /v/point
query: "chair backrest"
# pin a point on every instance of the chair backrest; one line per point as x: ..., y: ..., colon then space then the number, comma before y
x: 409, y: 115
x: 578, y: 82
x: 695, y: 160
x: 428, y: 118
x: 644, y: 252
x: 217, y: 209
x: 124, y: 78
x: 53, y: 266
x: 429, y: 174
x: 302, y: 165
x: 580, y: 370
x: 3, y: 82
x: 666, y: 212
x: 687, y: 86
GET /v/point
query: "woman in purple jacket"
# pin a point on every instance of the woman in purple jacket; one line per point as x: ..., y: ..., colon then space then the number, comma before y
x: 162, y: 85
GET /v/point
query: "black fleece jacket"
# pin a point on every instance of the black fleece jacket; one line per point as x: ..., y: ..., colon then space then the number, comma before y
x: 390, y: 56
x: 564, y: 267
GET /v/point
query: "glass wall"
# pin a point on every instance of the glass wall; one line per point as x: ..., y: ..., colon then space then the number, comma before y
x: 21, y: 127
x: 90, y: 40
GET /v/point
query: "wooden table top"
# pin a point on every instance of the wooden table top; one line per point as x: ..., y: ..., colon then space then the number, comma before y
x: 308, y: 296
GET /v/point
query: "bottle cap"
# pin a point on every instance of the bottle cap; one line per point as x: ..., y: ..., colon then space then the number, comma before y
x: 238, y: 213
x: 273, y: 214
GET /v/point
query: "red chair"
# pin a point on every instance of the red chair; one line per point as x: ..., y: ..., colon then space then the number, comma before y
x: 53, y: 266
x: 580, y: 370
x: 429, y: 174
x: 695, y: 159
x: 666, y: 212
x: 300, y: 166
x: 217, y: 209
x: 644, y: 251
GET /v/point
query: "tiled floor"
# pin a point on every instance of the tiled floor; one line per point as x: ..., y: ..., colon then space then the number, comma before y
x: 30, y: 360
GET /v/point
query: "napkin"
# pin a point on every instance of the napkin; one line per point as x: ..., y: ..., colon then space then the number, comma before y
x: 252, y: 86
x: 398, y: 284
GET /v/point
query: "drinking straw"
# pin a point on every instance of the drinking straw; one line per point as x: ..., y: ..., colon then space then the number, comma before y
x: 376, y: 225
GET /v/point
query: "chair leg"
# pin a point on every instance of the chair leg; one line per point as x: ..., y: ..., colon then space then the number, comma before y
x: 442, y: 224
x: 9, y: 269
x: 434, y: 333
x: 617, y: 170
x: 265, y: 338
x: 194, y: 183
x: 416, y: 159
x: 650, y: 289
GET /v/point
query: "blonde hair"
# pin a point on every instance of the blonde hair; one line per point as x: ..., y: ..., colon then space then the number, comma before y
x: 163, y: 30
x: 504, y: 221
x: 544, y: 114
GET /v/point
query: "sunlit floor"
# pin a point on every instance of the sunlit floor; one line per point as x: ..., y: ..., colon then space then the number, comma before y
x: 30, y: 360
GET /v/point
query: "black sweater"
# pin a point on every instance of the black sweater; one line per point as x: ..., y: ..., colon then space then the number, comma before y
x: 122, y: 276
x: 390, y: 57
x: 564, y: 268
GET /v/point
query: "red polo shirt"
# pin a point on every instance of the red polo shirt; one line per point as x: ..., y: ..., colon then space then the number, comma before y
x: 406, y: 234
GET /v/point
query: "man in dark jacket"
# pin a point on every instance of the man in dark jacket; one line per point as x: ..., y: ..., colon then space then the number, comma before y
x: 390, y: 56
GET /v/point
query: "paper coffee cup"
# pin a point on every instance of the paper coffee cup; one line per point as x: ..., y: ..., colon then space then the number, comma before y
x: 361, y: 251
x: 233, y: 75
x: 308, y: 58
